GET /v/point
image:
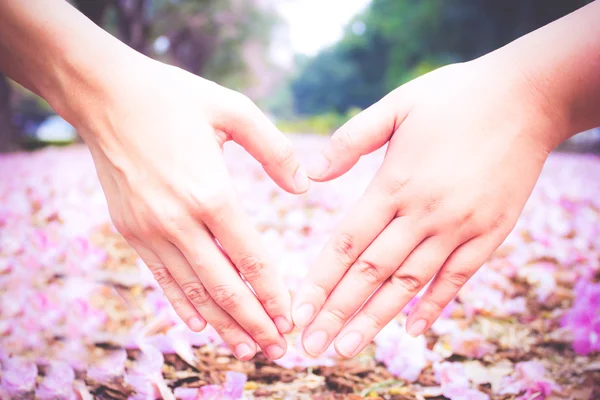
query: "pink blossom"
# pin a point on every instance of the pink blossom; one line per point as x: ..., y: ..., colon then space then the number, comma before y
x: 108, y: 367
x: 211, y: 392
x: 455, y: 383
x: 57, y: 383
x: 584, y: 317
x: 187, y: 393
x: 18, y: 377
x: 529, y: 379
x: 403, y: 355
x: 232, y: 389
x: 470, y: 344
x: 297, y: 357
x: 234, y: 385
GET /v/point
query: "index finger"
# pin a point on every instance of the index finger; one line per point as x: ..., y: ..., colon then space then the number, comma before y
x: 360, y: 227
x: 242, y: 244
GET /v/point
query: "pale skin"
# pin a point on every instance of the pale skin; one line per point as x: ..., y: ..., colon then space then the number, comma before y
x: 155, y: 133
x: 467, y: 143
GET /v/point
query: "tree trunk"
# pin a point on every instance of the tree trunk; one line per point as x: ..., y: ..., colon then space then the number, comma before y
x: 134, y: 27
x: 93, y: 9
x: 9, y: 139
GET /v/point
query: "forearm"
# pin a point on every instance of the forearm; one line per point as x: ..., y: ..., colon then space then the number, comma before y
x: 54, y: 50
x: 561, y: 65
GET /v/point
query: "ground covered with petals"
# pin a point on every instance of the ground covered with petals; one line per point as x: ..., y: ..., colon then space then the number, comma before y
x: 81, y: 317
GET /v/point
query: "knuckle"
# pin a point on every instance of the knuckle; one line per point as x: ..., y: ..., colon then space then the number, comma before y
x: 394, y: 187
x: 128, y: 229
x: 226, y: 328
x: 196, y: 293
x: 226, y: 298
x: 337, y: 315
x: 344, y: 246
x: 432, y: 204
x: 342, y: 140
x: 499, y: 221
x: 169, y: 224
x: 460, y: 218
x: 485, y: 222
x: 374, y: 320
x: 178, y: 303
x: 162, y: 276
x: 432, y: 305
x: 251, y: 266
x: 284, y: 152
x: 369, y: 271
x: 243, y: 101
x: 212, y: 204
x: 407, y: 282
x: 321, y: 290
x: 455, y: 279
x: 259, y: 333
x: 122, y: 227
x: 270, y: 302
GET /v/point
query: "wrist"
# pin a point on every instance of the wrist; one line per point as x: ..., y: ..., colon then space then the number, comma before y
x: 544, y: 115
x: 85, y: 82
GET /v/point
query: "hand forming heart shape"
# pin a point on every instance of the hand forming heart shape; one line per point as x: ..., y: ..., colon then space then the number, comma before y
x: 465, y: 150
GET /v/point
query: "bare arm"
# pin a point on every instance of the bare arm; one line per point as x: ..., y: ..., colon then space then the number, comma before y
x: 155, y: 133
x: 467, y: 143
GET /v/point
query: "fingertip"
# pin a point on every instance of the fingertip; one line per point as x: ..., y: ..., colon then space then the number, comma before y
x: 197, y: 324
x: 303, y: 315
x: 416, y: 328
x: 348, y: 345
x: 283, y: 324
x: 301, y: 181
x: 318, y: 167
x: 244, y: 351
x: 275, y: 352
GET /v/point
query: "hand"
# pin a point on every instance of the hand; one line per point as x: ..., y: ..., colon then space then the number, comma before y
x: 156, y: 135
x: 466, y: 145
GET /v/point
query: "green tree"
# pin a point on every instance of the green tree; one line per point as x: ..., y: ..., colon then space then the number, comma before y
x: 394, y: 41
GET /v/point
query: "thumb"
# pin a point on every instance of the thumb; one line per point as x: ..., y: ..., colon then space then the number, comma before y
x: 363, y: 134
x: 252, y: 130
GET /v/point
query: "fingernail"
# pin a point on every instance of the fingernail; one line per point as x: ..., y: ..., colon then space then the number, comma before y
x: 242, y: 351
x: 275, y: 352
x: 195, y: 324
x: 348, y: 344
x: 417, y: 328
x: 282, y: 324
x: 315, y: 343
x: 301, y: 180
x: 318, y: 167
x: 303, y: 315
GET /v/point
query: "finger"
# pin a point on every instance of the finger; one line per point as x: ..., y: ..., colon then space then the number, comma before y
x: 372, y: 268
x: 456, y: 271
x: 363, y: 134
x: 404, y: 284
x: 196, y: 293
x: 184, y: 309
x: 367, y: 219
x: 227, y: 288
x: 243, y: 245
x: 255, y: 133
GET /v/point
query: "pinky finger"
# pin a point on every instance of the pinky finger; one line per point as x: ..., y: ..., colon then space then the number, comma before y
x: 184, y: 309
x: 462, y: 264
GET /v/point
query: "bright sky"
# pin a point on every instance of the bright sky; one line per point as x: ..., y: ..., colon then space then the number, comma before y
x: 314, y: 24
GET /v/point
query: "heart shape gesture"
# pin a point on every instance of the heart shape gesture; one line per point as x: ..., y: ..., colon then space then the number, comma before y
x: 465, y: 150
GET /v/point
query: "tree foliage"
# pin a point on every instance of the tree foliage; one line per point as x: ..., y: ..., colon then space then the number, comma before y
x: 393, y: 41
x: 216, y: 39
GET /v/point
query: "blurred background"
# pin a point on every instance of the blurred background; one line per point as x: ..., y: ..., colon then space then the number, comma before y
x: 309, y: 64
